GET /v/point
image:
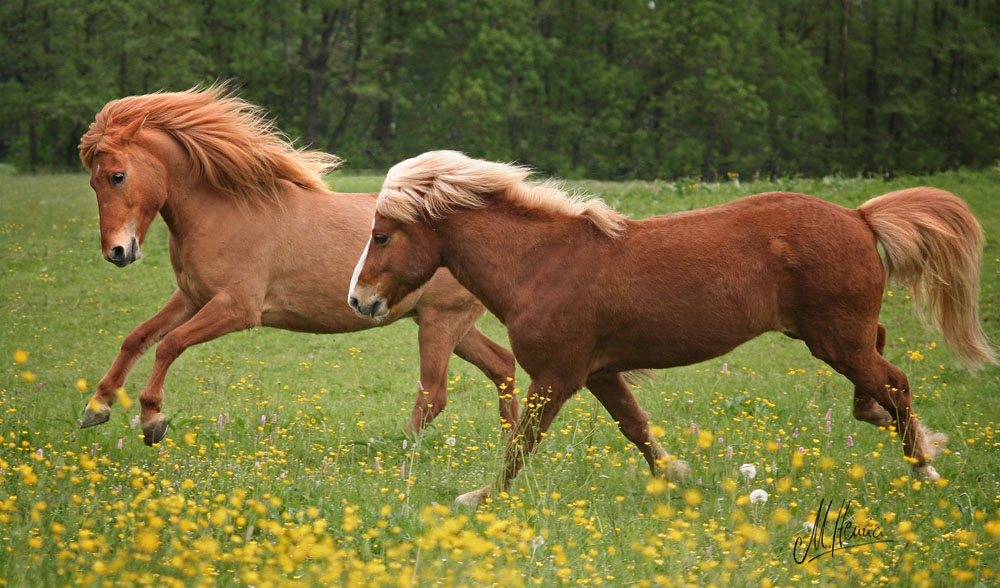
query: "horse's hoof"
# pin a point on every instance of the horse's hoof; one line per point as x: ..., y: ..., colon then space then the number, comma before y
x: 926, y: 472
x: 677, y: 470
x: 93, y: 417
x: 154, y: 430
x: 473, y: 498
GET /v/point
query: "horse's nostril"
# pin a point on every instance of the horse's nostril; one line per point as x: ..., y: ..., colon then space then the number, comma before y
x: 117, y: 253
x: 354, y: 302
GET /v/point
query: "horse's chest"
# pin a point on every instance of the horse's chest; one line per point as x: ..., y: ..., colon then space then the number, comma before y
x: 193, y: 288
x: 194, y: 281
x: 198, y: 281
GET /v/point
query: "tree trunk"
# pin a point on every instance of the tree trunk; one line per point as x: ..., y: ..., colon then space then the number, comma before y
x: 872, y: 94
x: 123, y: 73
x: 312, y: 106
x: 32, y: 145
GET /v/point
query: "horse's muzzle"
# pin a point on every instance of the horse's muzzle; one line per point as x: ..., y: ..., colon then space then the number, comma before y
x: 122, y: 256
x: 373, y: 308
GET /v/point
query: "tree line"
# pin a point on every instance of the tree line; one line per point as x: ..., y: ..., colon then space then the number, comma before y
x: 598, y: 88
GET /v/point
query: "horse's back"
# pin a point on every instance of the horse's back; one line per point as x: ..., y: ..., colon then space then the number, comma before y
x: 323, y: 235
x: 764, y: 234
x: 720, y: 276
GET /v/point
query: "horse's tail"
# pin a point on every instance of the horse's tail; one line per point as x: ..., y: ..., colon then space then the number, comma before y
x: 933, y: 244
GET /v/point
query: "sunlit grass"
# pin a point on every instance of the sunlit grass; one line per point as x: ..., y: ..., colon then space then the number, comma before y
x: 286, y: 463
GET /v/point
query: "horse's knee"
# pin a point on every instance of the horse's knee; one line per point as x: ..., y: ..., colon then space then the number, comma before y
x: 133, y: 344
x: 169, y: 349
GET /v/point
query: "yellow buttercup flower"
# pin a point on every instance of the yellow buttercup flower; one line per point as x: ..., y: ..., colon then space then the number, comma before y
x: 656, y: 486
x: 692, y: 497
x: 147, y: 541
x: 123, y: 398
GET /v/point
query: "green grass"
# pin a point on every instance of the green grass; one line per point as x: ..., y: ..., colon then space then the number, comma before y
x: 286, y: 462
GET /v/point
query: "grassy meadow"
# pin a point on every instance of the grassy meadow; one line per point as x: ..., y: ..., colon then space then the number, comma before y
x: 286, y: 463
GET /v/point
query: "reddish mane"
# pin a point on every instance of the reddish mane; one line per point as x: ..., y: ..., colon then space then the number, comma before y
x: 231, y: 143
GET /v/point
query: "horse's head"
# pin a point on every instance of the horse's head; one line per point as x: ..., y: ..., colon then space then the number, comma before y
x: 399, y: 258
x: 131, y: 187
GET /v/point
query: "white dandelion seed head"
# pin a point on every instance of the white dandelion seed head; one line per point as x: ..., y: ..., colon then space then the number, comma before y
x: 758, y: 496
x: 749, y: 470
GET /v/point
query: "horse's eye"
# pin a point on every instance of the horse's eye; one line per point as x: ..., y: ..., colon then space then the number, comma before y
x: 117, y: 178
x: 380, y: 239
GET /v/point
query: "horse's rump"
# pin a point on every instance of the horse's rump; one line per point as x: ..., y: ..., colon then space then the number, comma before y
x: 711, y: 279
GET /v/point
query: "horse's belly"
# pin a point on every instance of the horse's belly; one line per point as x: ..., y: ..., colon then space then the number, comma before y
x: 324, y: 318
x: 667, y: 348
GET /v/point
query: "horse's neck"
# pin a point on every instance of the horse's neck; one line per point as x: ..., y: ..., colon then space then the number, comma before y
x: 189, y: 205
x: 494, y: 252
x: 190, y: 199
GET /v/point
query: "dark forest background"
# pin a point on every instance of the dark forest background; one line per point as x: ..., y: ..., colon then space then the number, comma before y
x: 604, y: 89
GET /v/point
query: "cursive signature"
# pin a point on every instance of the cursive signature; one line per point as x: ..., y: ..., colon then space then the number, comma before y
x: 844, y: 533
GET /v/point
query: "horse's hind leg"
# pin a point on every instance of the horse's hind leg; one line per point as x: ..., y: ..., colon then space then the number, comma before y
x: 878, y: 379
x: 439, y: 332
x: 178, y: 309
x: 614, y: 394
x: 498, y: 365
x: 865, y: 407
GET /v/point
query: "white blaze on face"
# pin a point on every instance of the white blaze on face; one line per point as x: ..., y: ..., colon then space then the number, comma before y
x: 357, y: 268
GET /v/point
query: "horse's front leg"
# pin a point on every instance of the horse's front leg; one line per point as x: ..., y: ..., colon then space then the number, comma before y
x: 498, y: 365
x: 543, y: 404
x: 178, y: 309
x: 222, y: 315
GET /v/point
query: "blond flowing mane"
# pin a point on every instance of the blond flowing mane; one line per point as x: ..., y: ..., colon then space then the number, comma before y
x: 439, y: 183
x: 231, y: 143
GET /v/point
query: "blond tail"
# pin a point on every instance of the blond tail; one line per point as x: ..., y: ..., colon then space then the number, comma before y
x: 933, y: 245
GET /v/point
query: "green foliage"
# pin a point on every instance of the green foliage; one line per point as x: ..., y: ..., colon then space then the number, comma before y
x: 610, y: 89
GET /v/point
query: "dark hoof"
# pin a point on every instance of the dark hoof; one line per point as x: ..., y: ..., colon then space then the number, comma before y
x: 93, y: 417
x: 155, y: 430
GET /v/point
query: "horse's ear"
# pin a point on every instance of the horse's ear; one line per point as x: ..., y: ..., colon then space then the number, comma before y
x: 130, y: 132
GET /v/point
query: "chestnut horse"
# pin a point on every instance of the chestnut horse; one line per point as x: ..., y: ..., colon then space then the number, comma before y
x: 587, y: 294
x: 255, y: 239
